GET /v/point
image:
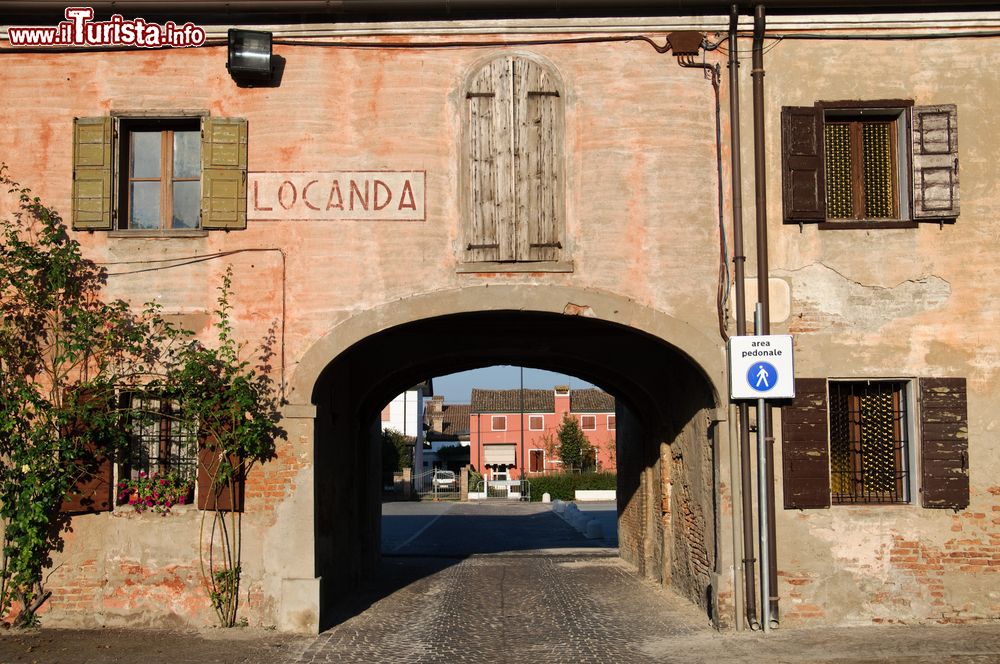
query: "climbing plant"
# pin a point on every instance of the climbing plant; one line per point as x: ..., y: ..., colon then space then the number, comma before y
x: 64, y: 354
x: 66, y: 357
x: 234, y: 405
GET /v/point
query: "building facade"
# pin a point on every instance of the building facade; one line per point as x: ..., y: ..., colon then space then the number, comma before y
x: 514, y: 434
x: 546, y: 187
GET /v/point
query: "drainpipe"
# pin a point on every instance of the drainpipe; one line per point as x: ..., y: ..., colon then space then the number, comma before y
x: 760, y: 202
x: 739, y: 261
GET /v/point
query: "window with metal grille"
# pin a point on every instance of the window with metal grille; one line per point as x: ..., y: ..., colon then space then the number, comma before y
x: 162, y: 441
x: 869, y: 459
x: 861, y: 157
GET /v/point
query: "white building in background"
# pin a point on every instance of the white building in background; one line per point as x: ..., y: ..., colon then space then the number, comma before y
x: 405, y: 414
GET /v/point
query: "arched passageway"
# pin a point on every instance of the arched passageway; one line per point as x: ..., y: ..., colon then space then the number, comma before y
x: 666, y: 456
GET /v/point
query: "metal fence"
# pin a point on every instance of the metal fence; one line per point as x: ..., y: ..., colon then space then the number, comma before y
x: 503, y: 490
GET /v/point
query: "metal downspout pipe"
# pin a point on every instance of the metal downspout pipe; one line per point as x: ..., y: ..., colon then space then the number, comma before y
x: 760, y: 203
x: 739, y: 261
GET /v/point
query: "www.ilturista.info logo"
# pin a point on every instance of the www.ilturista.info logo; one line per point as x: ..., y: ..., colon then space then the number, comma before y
x: 80, y: 30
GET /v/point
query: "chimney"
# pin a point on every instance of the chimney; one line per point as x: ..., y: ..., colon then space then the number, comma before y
x: 562, y: 399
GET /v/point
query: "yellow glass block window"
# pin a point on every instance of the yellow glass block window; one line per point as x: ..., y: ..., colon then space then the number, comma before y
x: 861, y: 169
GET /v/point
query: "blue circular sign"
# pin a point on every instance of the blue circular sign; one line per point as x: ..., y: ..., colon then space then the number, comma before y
x: 762, y: 376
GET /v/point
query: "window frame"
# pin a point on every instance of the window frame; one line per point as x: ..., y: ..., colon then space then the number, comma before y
x: 583, y: 420
x: 855, y: 113
x: 166, y: 126
x: 493, y: 422
x: 536, y: 417
x: 612, y: 423
x: 907, y: 462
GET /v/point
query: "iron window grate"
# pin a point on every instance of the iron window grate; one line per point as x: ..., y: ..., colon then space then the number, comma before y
x: 162, y: 442
x: 868, y: 442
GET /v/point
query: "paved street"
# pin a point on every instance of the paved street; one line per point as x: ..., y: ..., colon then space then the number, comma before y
x: 485, y: 583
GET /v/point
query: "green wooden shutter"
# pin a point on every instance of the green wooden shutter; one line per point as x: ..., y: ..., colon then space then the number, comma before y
x: 944, y: 443
x: 805, y: 455
x: 224, y: 173
x: 93, y: 173
x: 489, y: 232
x: 537, y: 172
x: 803, y: 190
x: 935, y: 162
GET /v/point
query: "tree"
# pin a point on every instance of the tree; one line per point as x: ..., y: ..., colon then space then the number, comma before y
x: 64, y: 353
x: 397, y: 451
x: 573, y: 443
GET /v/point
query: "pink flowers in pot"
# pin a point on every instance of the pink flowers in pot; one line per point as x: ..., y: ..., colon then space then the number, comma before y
x: 154, y: 492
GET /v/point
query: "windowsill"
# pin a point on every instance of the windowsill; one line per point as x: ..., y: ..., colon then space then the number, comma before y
x: 162, y: 234
x: 495, y: 267
x: 857, y: 225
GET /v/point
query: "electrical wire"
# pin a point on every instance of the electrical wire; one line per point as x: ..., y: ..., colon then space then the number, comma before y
x: 714, y: 72
x: 181, y: 261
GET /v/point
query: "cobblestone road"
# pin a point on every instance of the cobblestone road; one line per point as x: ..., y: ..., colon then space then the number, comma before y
x: 505, y: 582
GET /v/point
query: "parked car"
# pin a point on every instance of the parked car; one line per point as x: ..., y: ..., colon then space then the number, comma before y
x: 444, y: 479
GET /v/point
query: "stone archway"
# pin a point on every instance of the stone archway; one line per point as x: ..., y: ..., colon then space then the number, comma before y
x: 666, y: 376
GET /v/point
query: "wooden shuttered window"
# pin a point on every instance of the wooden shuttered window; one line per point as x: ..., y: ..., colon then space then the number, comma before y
x: 227, y: 497
x: 804, y: 450
x: 935, y: 162
x: 96, y: 169
x: 944, y: 443
x: 513, y: 163
x: 92, y: 173
x: 224, y: 173
x: 817, y: 163
x: 803, y: 192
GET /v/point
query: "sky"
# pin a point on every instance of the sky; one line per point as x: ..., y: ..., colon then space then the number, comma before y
x: 457, y: 387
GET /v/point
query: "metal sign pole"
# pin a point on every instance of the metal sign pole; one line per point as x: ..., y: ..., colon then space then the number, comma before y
x: 765, y: 591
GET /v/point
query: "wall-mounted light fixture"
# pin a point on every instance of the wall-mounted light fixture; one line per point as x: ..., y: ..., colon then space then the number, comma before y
x: 250, y: 57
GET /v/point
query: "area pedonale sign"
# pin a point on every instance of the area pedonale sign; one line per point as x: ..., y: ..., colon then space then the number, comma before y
x: 761, y: 367
x: 337, y: 196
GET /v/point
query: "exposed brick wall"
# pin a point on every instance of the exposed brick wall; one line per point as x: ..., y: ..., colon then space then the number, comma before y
x: 937, y: 568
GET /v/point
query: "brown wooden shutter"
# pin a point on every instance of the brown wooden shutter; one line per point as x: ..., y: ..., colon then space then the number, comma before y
x: 489, y: 232
x: 224, y: 173
x: 537, y: 172
x: 944, y: 443
x: 935, y: 162
x: 92, y: 491
x: 93, y: 173
x: 803, y: 190
x: 804, y: 452
x: 210, y: 496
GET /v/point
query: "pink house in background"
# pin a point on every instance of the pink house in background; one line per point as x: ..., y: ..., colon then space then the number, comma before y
x: 513, y: 431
